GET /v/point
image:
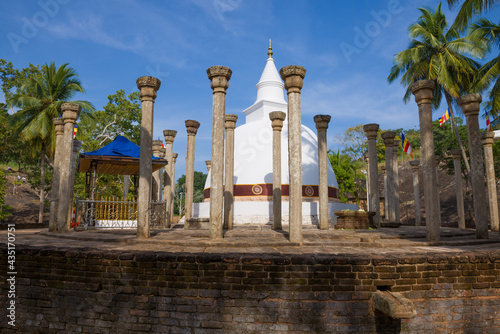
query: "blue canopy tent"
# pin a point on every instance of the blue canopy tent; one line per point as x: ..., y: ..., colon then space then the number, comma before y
x: 120, y: 157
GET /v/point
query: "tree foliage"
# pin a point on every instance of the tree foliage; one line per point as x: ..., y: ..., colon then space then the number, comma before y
x: 346, y: 171
x: 198, y: 186
x: 4, y: 209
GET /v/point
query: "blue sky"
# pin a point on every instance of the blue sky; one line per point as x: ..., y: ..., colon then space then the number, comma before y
x: 346, y: 47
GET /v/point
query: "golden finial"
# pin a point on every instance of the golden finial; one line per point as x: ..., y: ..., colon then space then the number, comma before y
x: 270, y: 50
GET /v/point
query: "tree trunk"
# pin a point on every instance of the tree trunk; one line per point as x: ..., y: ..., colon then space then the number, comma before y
x: 454, y: 124
x: 42, y: 185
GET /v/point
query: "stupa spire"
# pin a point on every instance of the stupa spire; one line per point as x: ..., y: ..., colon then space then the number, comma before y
x: 270, y: 50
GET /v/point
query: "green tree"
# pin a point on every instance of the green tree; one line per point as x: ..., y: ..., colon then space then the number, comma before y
x: 354, y: 142
x: 346, y: 172
x: 468, y: 10
x: 4, y: 209
x: 198, y: 186
x: 40, y: 99
x: 489, y: 73
x: 440, y: 54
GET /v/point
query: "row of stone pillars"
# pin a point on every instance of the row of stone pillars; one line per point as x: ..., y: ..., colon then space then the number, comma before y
x: 423, y: 91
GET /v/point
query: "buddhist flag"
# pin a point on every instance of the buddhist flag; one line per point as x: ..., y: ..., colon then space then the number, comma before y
x: 488, y: 124
x: 75, y: 131
x: 406, y: 145
x: 444, y: 118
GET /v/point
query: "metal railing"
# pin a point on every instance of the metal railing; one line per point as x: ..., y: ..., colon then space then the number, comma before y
x: 115, y: 214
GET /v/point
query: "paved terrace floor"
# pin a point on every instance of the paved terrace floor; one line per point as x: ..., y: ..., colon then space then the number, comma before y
x: 408, y: 240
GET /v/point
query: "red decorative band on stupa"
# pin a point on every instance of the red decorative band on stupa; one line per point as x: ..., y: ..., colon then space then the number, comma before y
x: 266, y: 189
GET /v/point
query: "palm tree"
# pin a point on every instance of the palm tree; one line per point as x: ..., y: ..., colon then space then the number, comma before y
x: 438, y: 53
x: 468, y: 10
x: 490, y: 72
x: 40, y: 101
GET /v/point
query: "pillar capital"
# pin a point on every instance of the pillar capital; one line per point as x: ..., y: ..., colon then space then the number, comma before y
x: 156, y: 147
x: 174, y: 156
x: 230, y: 121
x: 208, y: 163
x: 371, y: 130
x: 422, y: 90
x: 322, y: 121
x: 487, y: 138
x: 470, y: 104
x: 436, y: 159
x: 219, y: 78
x: 293, y: 76
x: 70, y: 112
x: 415, y: 164
x: 395, y: 145
x: 148, y: 86
x: 277, y: 118
x: 192, y: 127
x: 169, y: 136
x: 455, y: 154
x: 59, y: 125
x: 388, y: 138
x: 366, y: 156
x: 383, y: 169
x: 163, y: 152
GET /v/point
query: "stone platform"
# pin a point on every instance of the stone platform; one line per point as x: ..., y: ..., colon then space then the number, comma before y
x: 255, y: 281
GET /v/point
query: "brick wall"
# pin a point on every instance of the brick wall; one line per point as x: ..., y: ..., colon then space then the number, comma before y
x: 99, y: 292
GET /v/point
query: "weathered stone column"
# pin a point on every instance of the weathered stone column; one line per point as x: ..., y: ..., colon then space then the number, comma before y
x: 230, y: 123
x: 436, y: 158
x: 219, y: 77
x: 168, y: 181
x: 277, y: 118
x: 470, y: 107
x: 209, y: 165
x: 397, y: 207
x: 371, y: 131
x: 54, y: 198
x: 70, y: 111
x: 423, y: 96
x: 293, y: 77
x: 74, y: 162
x: 457, y: 155
x: 388, y: 138
x: 367, y: 161
x: 156, y: 188
x: 487, y: 141
x: 321, y: 126
x: 171, y: 210
x: 192, y: 128
x: 148, y: 86
x: 386, y: 201
x: 415, y: 164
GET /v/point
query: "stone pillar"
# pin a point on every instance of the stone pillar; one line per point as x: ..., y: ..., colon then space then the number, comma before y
x: 367, y: 190
x: 148, y: 86
x: 54, y: 198
x: 209, y: 165
x: 230, y: 123
x: 171, y: 210
x: 74, y: 162
x: 397, y: 202
x: 457, y: 155
x: 277, y: 118
x: 371, y: 131
x: 487, y: 141
x: 156, y: 188
x: 436, y: 158
x: 416, y: 191
x: 192, y: 128
x: 386, y: 201
x: 169, y: 182
x: 423, y: 90
x: 321, y: 126
x: 70, y: 111
x: 388, y: 138
x: 293, y: 77
x: 219, y: 82
x: 470, y: 107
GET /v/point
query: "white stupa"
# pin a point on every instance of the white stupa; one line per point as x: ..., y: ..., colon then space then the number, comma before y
x: 253, y: 165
